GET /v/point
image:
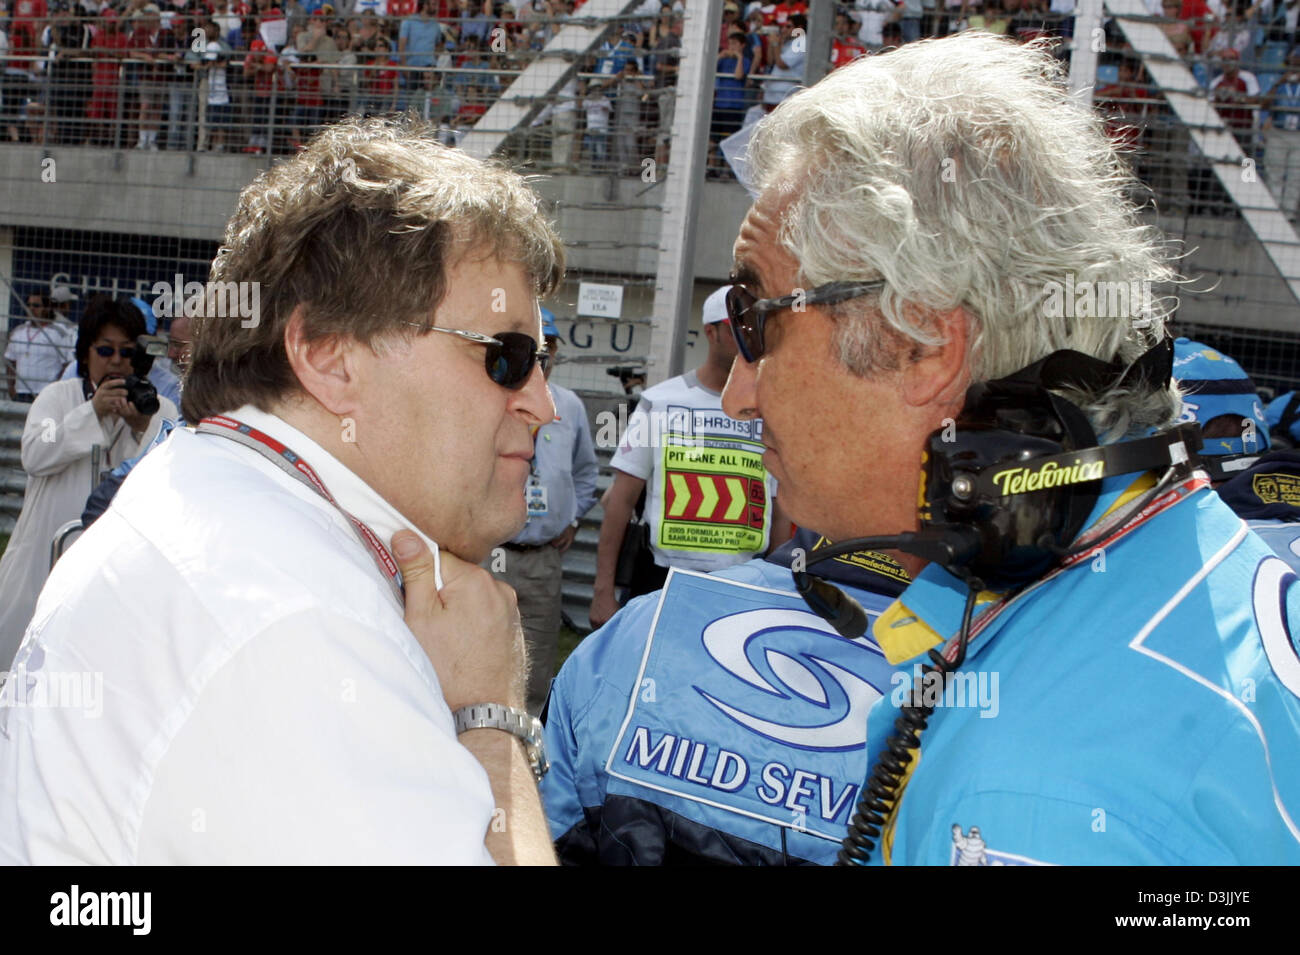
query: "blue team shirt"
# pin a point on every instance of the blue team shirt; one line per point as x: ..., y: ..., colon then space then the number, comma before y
x: 724, y: 700
x: 1148, y: 709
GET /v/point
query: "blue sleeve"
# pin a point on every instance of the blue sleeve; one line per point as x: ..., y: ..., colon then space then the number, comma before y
x: 585, y: 468
x: 559, y: 787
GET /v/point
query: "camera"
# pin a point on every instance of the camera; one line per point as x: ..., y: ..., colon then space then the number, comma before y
x: 139, y: 391
x: 625, y: 373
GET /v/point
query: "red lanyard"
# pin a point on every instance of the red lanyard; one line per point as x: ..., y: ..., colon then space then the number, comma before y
x: 301, y: 471
x: 1105, y: 534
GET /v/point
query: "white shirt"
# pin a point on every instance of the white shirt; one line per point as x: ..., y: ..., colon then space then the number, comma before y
x: 262, y: 698
x: 39, y: 352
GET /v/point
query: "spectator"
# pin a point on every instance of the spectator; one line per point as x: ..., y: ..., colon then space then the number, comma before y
x: 561, y: 488
x: 474, y: 20
x: 413, y: 774
x: 312, y: 85
x: 214, y: 90
x: 38, y: 349
x: 1128, y: 105
x: 347, y: 84
x: 629, y: 92
x: 417, y: 44
x: 174, y: 47
x: 145, y: 73
x: 229, y: 22
x: 69, y: 74
x: 613, y: 58
x: 872, y: 15
x: 788, y: 72
x: 381, y: 78
x: 1173, y: 28
x: 729, y: 100
x: 1238, y: 92
x: 704, y: 510
x: 731, y: 22
x: 178, y: 356
x: 25, y: 26
x: 1202, y: 23
x: 845, y: 46
x: 595, y: 140
x: 109, y: 46
x: 263, y: 73
x: 1282, y: 138
x: 67, y: 420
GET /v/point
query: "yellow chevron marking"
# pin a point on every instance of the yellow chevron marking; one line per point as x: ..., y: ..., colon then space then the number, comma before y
x: 737, y: 499
x: 681, y: 496
x: 710, y: 500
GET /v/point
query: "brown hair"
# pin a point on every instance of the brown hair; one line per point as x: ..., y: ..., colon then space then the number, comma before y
x: 359, y: 229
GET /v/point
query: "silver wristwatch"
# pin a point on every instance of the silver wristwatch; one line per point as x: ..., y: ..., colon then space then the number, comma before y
x: 498, y: 716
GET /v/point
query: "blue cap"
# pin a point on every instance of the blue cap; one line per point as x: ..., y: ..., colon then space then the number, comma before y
x: 150, y: 322
x: 1214, y: 385
x: 548, y: 324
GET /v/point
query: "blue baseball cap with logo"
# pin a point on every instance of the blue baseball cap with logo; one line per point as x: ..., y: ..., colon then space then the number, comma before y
x: 1213, y: 386
x: 549, y: 329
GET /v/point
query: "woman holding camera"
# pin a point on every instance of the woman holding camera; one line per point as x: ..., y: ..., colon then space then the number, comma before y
x: 67, y: 421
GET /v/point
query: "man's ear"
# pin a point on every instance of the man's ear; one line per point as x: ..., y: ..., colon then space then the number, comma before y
x: 325, y: 368
x: 938, y: 375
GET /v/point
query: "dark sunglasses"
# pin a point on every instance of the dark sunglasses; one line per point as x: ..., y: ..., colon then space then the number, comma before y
x: 749, y: 315
x: 510, y: 356
x: 106, y: 351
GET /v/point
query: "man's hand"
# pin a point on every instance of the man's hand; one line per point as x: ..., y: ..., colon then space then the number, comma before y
x: 565, y: 540
x: 603, y: 606
x: 470, y: 629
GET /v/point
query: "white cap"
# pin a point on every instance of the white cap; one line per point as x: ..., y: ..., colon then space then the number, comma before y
x: 715, y: 306
x: 62, y: 294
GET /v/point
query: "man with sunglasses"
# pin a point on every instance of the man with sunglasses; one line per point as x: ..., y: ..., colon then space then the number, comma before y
x: 302, y: 660
x: 917, y: 216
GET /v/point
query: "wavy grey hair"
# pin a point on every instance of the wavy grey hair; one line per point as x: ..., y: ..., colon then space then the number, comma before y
x: 963, y: 173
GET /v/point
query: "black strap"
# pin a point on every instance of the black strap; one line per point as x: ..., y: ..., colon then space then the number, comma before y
x: 1127, y: 457
x: 1074, y: 369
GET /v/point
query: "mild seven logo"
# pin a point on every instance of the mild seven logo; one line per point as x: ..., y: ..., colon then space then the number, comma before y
x: 833, y: 699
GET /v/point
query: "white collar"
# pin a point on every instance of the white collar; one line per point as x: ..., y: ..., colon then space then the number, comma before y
x: 353, y: 494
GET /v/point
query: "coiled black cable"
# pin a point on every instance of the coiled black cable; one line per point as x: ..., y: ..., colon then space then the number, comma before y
x: 881, y: 790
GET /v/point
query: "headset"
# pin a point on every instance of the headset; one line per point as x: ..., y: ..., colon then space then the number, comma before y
x: 1005, y: 491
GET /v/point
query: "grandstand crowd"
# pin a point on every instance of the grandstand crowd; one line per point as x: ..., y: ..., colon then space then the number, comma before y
x: 259, y: 76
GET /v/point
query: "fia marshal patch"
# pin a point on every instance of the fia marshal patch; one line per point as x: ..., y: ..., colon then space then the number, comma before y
x: 969, y: 848
x: 749, y: 703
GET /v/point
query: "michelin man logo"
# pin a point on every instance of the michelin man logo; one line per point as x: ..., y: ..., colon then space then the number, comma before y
x: 969, y: 848
x: 795, y: 680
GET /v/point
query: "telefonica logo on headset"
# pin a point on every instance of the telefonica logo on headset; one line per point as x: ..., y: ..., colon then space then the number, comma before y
x: 1051, y: 474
